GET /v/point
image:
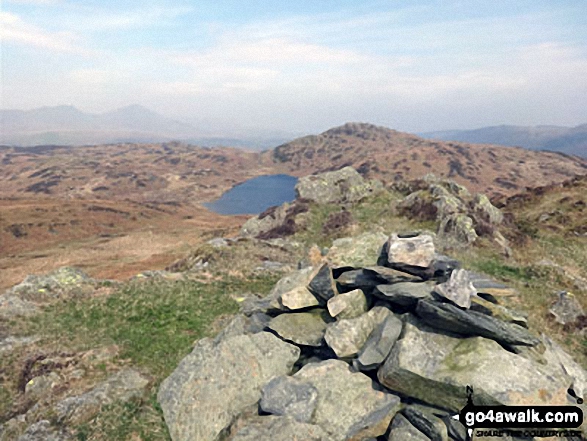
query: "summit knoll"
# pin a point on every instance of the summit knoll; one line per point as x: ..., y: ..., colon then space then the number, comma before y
x: 389, y: 155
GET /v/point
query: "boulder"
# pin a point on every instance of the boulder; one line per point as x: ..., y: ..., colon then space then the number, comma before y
x: 346, y: 337
x: 436, y: 369
x: 302, y: 328
x: 342, y: 186
x: 348, y: 406
x: 289, y: 396
x: 451, y: 318
x: 403, y: 430
x: 356, y: 252
x: 379, y: 343
x: 276, y: 428
x: 299, y: 298
x: 322, y: 284
x: 214, y: 383
x: 405, y: 294
x: 290, y: 282
x: 458, y: 289
x: 405, y: 252
x: 566, y: 309
x: 122, y: 386
x: 348, y: 305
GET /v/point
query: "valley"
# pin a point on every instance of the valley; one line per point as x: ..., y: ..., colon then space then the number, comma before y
x: 117, y: 209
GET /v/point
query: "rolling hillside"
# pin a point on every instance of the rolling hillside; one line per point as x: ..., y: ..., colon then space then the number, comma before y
x: 386, y: 154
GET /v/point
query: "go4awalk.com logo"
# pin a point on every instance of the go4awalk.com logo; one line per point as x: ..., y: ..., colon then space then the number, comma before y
x: 522, y: 421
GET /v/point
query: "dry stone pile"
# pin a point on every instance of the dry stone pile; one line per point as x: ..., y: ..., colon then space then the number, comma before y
x: 379, y: 342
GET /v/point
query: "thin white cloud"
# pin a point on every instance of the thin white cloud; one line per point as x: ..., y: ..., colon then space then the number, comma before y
x: 96, y: 19
x: 13, y: 29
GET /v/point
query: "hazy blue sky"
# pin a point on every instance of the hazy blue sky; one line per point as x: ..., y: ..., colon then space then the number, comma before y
x: 304, y: 65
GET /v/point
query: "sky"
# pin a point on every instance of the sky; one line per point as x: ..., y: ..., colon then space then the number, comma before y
x: 302, y: 66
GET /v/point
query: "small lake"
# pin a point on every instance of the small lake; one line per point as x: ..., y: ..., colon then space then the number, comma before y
x: 256, y: 195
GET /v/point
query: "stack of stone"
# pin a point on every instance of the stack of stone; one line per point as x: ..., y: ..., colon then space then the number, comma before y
x: 357, y: 351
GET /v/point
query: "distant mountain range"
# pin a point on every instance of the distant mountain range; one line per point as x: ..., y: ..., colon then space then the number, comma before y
x: 67, y: 125
x: 569, y: 140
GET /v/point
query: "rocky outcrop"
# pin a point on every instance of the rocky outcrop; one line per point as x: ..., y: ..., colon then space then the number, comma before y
x: 383, y: 350
x: 460, y: 217
x: 22, y: 300
x: 340, y: 186
x: 344, y: 186
x: 63, y: 282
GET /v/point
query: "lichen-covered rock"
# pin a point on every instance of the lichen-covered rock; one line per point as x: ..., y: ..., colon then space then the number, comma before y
x: 303, y: 328
x: 122, y: 386
x: 348, y: 406
x: 356, y: 252
x: 341, y: 186
x: 436, y: 369
x: 214, y: 383
x: 289, y: 396
x: 346, y: 337
x: 417, y: 251
x: 299, y: 298
x: 348, y: 305
x: 458, y: 289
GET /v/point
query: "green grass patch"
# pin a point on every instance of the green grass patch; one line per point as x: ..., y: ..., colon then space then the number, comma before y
x: 501, y: 270
x: 154, y: 322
